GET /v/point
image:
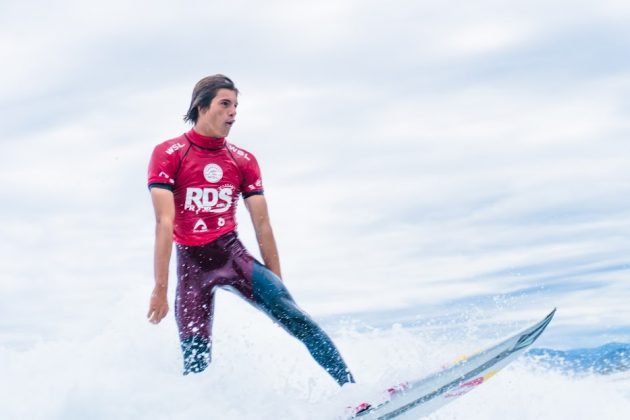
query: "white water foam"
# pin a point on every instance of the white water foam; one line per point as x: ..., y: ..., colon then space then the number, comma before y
x: 130, y: 369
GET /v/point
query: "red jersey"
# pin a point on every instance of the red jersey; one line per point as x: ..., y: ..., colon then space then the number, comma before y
x: 206, y: 176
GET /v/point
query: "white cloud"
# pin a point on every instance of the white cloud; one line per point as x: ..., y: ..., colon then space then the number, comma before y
x: 405, y: 146
x: 486, y: 37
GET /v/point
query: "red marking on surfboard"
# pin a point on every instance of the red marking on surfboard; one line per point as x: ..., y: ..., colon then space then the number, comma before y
x: 465, y: 387
x: 397, y: 389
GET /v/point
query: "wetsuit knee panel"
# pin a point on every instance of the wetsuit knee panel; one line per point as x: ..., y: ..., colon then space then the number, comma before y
x: 266, y: 285
x: 272, y: 296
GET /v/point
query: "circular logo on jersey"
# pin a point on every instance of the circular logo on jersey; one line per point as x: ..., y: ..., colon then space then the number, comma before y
x: 213, y: 172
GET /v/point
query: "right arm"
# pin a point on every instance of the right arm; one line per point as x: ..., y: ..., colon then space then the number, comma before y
x: 164, y: 206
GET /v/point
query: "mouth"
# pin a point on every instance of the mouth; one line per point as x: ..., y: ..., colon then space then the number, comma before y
x: 230, y: 123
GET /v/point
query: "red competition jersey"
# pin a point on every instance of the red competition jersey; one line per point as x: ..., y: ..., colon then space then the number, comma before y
x: 206, y: 176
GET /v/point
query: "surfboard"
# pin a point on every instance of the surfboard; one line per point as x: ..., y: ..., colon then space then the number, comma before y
x: 414, y: 399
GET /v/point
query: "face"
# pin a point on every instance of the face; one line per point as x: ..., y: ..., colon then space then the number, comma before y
x: 217, y: 119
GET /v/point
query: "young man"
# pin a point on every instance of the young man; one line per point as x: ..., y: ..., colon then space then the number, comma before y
x: 195, y: 180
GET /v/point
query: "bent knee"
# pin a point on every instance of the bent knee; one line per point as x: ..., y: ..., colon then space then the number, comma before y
x: 298, y: 324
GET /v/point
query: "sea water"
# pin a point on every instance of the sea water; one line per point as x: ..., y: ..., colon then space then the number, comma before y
x: 127, y: 368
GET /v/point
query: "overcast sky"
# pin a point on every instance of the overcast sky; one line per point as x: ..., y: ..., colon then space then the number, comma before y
x: 414, y: 153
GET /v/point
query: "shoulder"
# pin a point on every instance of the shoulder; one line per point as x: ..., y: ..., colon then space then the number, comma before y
x: 242, y: 156
x: 165, y: 161
x: 251, y: 181
x: 171, y: 146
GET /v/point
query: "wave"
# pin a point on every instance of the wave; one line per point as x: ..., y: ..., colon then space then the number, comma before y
x: 607, y: 359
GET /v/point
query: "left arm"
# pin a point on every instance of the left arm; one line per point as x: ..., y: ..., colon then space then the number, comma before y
x: 257, y: 207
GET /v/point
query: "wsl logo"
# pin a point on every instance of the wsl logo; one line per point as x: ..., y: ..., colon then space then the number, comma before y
x: 174, y: 148
x: 209, y: 200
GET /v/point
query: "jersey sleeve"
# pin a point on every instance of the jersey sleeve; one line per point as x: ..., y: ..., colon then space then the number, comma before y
x: 162, y: 168
x: 252, y: 179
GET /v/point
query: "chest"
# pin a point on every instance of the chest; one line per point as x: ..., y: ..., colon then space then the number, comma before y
x: 207, y: 182
x: 208, y: 169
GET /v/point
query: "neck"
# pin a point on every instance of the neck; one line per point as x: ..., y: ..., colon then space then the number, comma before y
x: 205, y: 130
x: 205, y: 141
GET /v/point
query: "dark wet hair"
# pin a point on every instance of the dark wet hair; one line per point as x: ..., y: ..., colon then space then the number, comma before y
x: 205, y: 90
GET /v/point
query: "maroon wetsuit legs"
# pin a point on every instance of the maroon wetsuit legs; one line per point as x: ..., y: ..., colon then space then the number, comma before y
x: 200, y: 269
x: 226, y: 263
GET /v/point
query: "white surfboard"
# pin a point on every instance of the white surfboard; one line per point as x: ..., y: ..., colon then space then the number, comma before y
x: 414, y: 399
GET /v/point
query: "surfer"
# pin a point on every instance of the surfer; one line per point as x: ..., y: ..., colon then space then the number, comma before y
x: 195, y: 181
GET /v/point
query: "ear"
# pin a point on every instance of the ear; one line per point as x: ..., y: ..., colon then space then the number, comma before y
x: 202, y: 110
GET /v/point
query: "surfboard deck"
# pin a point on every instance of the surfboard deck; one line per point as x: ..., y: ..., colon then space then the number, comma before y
x: 414, y: 399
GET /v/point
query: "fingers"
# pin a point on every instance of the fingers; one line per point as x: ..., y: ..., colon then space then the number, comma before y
x: 153, y: 317
x: 161, y: 314
x: 157, y: 313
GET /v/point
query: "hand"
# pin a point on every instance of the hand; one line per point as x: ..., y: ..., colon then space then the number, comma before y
x: 158, y: 306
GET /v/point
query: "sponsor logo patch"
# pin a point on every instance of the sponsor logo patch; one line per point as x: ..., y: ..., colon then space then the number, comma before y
x: 200, y: 226
x: 213, y: 172
x: 209, y: 200
x: 165, y: 175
